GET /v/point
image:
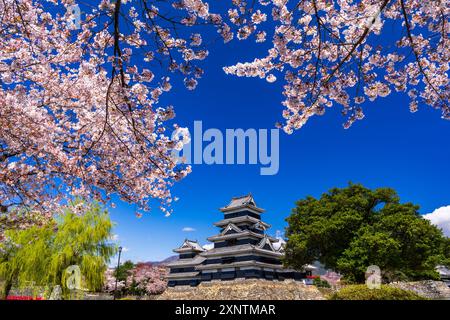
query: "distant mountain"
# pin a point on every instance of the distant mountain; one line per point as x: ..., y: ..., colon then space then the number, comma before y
x: 163, y: 262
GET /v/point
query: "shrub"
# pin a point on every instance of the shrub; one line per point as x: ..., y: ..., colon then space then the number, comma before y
x: 362, y: 292
x: 321, y: 283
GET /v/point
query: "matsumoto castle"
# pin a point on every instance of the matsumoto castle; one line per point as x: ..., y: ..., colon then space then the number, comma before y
x: 241, y: 250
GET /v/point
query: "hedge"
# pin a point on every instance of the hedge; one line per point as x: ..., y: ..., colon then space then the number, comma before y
x: 362, y: 292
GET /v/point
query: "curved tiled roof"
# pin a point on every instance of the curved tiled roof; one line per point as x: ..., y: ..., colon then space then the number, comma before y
x: 186, y: 262
x: 182, y: 275
x: 242, y: 248
x: 243, y: 234
x: 189, y: 245
x: 242, y: 202
x: 240, y: 219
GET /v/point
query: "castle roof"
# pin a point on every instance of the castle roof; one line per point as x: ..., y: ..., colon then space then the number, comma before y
x: 230, y: 227
x: 279, y: 245
x: 238, y: 249
x: 182, y: 275
x: 247, y: 263
x: 189, y: 246
x: 241, y: 219
x: 186, y: 262
x: 237, y: 235
x: 242, y: 202
x: 266, y: 243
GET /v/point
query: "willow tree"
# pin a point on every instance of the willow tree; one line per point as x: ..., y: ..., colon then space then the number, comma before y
x: 77, y: 239
x: 24, y: 256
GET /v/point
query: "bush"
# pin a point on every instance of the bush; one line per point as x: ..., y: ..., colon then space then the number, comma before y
x: 321, y: 283
x: 362, y: 292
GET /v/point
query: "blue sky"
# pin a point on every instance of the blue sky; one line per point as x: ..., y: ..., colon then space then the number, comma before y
x: 390, y: 147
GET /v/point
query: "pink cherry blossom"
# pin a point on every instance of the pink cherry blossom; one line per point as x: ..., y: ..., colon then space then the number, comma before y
x: 143, y: 278
x: 149, y: 279
x: 330, y: 50
x: 80, y: 108
x: 78, y: 115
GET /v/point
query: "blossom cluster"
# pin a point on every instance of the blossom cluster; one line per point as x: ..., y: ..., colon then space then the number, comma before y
x: 331, y: 52
x: 81, y: 110
x: 78, y: 116
x: 143, y: 279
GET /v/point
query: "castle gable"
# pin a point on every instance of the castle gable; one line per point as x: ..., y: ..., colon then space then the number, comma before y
x: 230, y: 229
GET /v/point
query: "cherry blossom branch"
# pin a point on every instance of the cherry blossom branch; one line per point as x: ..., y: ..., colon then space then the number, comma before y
x: 416, y: 55
x: 356, y: 45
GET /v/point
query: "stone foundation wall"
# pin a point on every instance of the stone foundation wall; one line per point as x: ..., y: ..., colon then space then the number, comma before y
x: 427, y: 288
x: 240, y: 289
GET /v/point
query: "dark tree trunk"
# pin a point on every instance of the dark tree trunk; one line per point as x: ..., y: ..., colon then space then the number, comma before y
x: 6, y: 289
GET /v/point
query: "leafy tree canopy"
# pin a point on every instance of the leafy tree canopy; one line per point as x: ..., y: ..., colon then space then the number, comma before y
x: 122, y: 272
x: 40, y: 255
x: 349, y: 229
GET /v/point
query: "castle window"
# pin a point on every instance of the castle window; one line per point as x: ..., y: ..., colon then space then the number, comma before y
x: 228, y: 260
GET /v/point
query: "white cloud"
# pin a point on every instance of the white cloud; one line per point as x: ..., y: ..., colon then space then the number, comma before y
x: 441, y: 218
x: 125, y: 249
x: 114, y: 237
x: 188, y: 229
x: 208, y: 246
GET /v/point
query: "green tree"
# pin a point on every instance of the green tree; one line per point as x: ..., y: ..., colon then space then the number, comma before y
x: 122, y: 272
x: 41, y: 255
x: 24, y: 256
x: 352, y: 228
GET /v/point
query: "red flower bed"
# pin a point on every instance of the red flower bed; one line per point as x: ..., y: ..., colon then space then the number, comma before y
x: 23, y: 298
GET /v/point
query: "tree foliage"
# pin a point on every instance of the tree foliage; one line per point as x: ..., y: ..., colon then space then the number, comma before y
x: 122, y: 272
x: 352, y: 228
x: 40, y: 255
